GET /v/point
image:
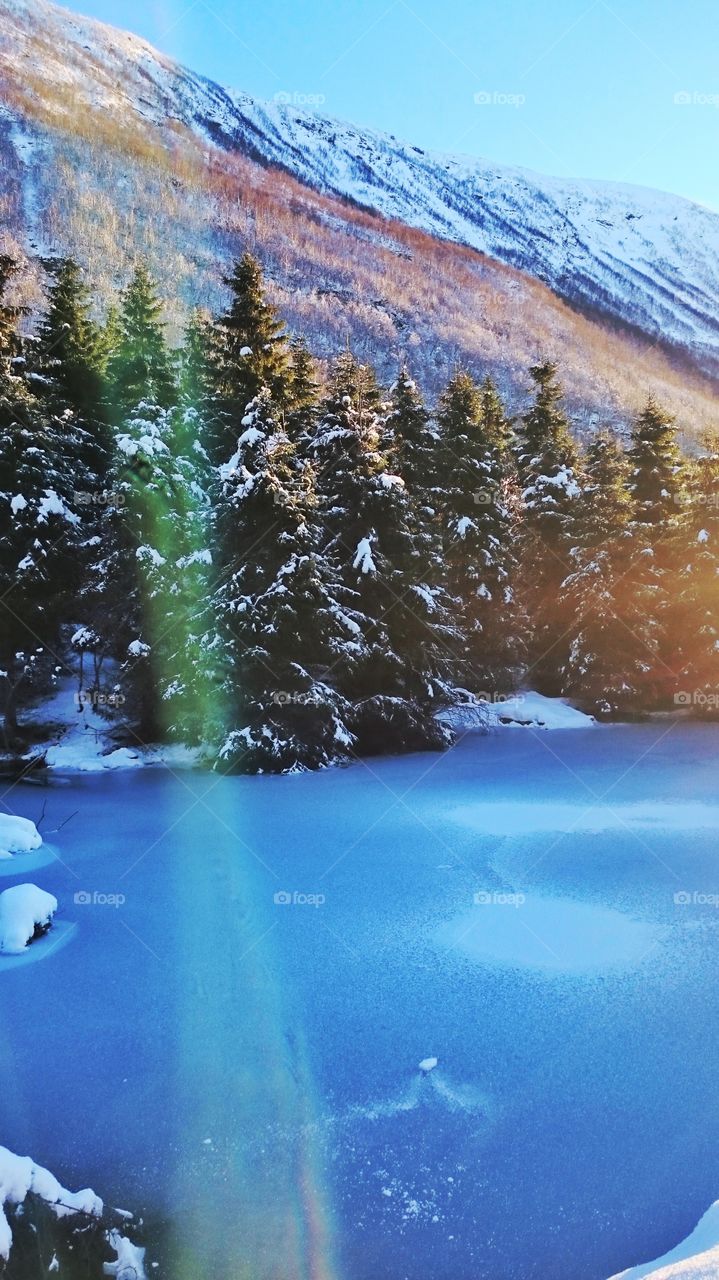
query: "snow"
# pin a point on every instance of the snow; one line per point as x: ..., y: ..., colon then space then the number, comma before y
x: 529, y: 709
x: 363, y: 557
x: 130, y: 1262
x: 23, y: 908
x: 696, y: 1258
x: 464, y: 524
x: 17, y: 835
x: 427, y: 1065
x: 17, y: 503
x: 20, y: 1177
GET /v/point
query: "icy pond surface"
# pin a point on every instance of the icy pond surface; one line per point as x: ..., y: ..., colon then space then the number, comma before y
x: 225, y: 1027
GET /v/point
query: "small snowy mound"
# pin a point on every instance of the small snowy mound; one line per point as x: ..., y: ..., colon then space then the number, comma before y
x: 20, y: 1177
x: 427, y: 1065
x: 696, y: 1258
x: 26, y: 912
x: 537, y: 711
x: 529, y: 709
x: 17, y: 835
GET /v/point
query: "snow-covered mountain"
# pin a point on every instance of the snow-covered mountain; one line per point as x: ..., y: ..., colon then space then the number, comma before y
x: 110, y: 150
x: 649, y: 258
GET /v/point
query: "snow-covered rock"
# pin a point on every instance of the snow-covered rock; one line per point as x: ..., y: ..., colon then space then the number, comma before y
x: 20, y: 1176
x: 696, y: 1258
x: 17, y: 835
x: 427, y: 1065
x: 25, y: 912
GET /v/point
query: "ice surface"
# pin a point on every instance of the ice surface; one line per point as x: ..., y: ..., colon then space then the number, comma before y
x: 588, y: 1083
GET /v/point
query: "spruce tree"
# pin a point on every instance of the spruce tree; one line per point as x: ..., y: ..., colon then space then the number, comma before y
x: 374, y: 537
x: 658, y: 492
x: 302, y: 394
x: 39, y: 469
x: 140, y: 367
x: 697, y: 589
x: 550, y: 479
x: 251, y: 352
x: 284, y: 621
x: 607, y: 597
x: 478, y: 528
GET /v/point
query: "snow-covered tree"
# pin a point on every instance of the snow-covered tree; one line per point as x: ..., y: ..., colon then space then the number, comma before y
x: 657, y: 486
x: 140, y: 367
x: 551, y: 483
x: 698, y: 587
x: 610, y: 596
x: 39, y: 470
x: 373, y: 534
x: 479, y: 528
x: 250, y: 352
x: 283, y: 619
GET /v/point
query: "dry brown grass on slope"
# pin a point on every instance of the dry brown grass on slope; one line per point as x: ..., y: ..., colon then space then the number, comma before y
x: 118, y: 190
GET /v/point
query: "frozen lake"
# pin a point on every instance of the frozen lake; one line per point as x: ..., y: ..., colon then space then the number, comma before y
x: 535, y: 910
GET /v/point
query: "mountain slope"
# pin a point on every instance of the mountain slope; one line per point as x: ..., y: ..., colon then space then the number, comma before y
x: 104, y: 138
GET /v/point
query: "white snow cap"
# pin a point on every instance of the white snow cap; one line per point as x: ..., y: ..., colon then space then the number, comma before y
x: 23, y: 908
x: 19, y: 1176
x: 363, y: 557
x: 17, y: 835
x: 427, y: 1065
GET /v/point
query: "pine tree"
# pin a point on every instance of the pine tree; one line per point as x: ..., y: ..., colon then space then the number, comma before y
x: 414, y: 439
x: 251, y: 352
x: 609, y: 600
x: 284, y: 621
x: 375, y: 539
x: 69, y: 342
x: 478, y: 528
x: 550, y: 478
x: 698, y: 589
x: 38, y: 523
x: 140, y: 368
x: 658, y: 493
x: 302, y: 394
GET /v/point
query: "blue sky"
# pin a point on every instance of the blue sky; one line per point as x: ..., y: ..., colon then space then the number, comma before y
x: 626, y: 90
